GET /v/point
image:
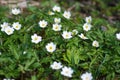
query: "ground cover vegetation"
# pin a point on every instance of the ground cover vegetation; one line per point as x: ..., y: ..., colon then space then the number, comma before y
x: 55, y: 42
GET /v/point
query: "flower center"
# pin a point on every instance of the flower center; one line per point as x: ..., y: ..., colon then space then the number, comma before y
x: 66, y: 15
x: 50, y: 48
x: 89, y: 20
x: 57, y: 20
x: 95, y: 44
x: 8, y: 31
x: 43, y: 24
x: 67, y: 35
x: 49, y: 12
x: 36, y: 38
x: 56, y: 66
x: 86, y: 27
x: 5, y: 26
x: 86, y: 78
x: 56, y: 27
x: 67, y: 72
x: 83, y: 36
x: 16, y: 26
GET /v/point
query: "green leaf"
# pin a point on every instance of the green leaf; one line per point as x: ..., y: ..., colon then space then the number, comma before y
x: 33, y: 77
x: 13, y: 50
x: 72, y: 56
x: 29, y: 63
x: 84, y: 65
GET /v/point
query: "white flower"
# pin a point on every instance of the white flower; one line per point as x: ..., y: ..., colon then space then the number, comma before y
x: 36, y: 39
x: 88, y: 19
x: 57, y: 20
x: 4, y: 25
x: 57, y: 27
x: 56, y: 65
x: 51, y: 13
x: 16, y: 25
x: 95, y: 43
x: 74, y: 32
x: 118, y: 36
x: 67, y: 14
x: 67, y: 71
x: 9, y: 30
x: 43, y: 23
x: 16, y: 11
x: 86, y: 76
x: 56, y: 8
x: 67, y: 35
x: 87, y: 27
x: 82, y: 36
x: 51, y: 47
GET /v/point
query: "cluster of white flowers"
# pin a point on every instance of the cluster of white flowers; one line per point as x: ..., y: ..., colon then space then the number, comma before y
x: 9, y: 29
x: 5, y: 27
x: 87, y: 26
x: 86, y: 76
x: 56, y: 8
x: 57, y: 26
x: 50, y: 47
x: 66, y: 71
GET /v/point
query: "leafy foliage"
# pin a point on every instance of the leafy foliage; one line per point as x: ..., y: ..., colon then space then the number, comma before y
x: 22, y: 59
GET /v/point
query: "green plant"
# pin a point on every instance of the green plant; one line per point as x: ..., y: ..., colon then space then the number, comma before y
x: 23, y: 58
